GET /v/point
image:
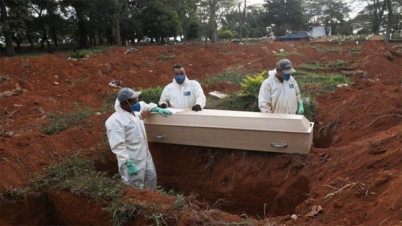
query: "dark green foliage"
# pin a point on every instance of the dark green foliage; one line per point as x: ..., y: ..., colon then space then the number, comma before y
x: 151, y: 95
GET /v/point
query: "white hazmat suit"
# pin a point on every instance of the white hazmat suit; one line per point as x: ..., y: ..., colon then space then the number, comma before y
x: 278, y: 97
x: 128, y: 140
x: 183, y: 96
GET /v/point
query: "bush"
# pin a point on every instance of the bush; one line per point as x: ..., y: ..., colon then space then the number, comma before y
x: 225, y: 34
x: 151, y: 95
x: 251, y: 85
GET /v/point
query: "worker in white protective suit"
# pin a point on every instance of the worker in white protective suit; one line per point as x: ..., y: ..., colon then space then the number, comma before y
x: 128, y: 139
x: 279, y: 93
x: 182, y: 92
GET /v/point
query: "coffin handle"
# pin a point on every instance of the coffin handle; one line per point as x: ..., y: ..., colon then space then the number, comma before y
x: 285, y: 145
x: 160, y: 136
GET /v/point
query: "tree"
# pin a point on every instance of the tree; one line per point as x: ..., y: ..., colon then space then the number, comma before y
x: 389, y: 24
x: 376, y: 10
x: 243, y: 15
x: 285, y: 15
x: 187, y: 16
x: 329, y: 13
x: 13, y: 16
x: 159, y: 22
x: 5, y: 25
x: 43, y: 8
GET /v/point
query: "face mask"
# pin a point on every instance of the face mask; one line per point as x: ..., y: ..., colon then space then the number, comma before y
x: 285, y: 77
x: 180, y: 78
x: 136, y: 107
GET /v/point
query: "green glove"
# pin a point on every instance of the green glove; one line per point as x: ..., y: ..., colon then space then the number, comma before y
x: 300, y: 108
x: 161, y: 111
x: 132, y: 170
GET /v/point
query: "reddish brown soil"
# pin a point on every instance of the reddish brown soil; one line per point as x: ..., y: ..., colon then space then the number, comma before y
x: 354, y: 170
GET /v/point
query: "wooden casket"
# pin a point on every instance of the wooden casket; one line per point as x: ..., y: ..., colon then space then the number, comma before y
x: 232, y: 129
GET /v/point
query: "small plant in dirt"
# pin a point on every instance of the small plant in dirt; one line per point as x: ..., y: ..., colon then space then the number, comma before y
x: 166, y: 57
x: 61, y: 122
x: 76, y: 54
x: 78, y: 80
x: 158, y: 218
x: 179, y: 203
x: 122, y: 212
x: 356, y: 50
x: 13, y: 193
x: 108, y: 104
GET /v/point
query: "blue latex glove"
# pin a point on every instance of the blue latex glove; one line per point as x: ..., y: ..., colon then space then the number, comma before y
x: 132, y: 170
x: 300, y: 108
x: 161, y: 111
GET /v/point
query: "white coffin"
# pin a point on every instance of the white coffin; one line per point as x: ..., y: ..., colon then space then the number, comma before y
x: 233, y: 129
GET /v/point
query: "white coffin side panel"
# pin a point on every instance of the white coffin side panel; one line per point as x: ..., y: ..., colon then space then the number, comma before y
x: 233, y: 129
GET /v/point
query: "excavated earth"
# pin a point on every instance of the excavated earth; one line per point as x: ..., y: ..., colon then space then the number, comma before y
x: 352, y: 175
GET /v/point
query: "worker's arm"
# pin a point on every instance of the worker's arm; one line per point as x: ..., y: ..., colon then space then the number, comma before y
x: 117, y: 140
x: 199, y: 95
x: 164, y: 99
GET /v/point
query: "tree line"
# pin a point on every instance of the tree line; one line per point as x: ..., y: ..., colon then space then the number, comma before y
x: 48, y: 23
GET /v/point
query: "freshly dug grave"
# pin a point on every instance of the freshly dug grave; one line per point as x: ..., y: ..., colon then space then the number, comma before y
x: 351, y: 176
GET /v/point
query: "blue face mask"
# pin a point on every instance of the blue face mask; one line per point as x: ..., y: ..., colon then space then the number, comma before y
x: 285, y: 77
x: 180, y: 78
x: 136, y: 107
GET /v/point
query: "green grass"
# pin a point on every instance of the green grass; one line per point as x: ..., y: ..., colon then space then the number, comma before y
x: 151, y: 95
x: 61, y: 122
x: 317, y: 65
x: 327, y: 82
x: 284, y: 54
x: 230, y: 76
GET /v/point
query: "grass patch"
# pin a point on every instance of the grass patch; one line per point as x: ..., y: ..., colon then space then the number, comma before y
x: 166, y: 57
x: 326, y: 82
x: 16, y: 194
x: 231, y: 76
x: 284, y: 54
x: 78, y: 175
x: 78, y: 80
x: 316, y: 65
x: 320, y: 49
x: 61, y: 122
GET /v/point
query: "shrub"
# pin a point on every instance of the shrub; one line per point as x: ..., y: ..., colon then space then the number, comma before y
x: 251, y: 85
x: 151, y: 95
x: 225, y: 34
